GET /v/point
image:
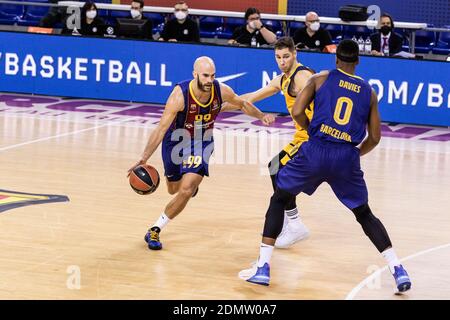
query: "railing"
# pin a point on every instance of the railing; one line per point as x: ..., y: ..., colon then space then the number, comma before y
x: 412, y: 26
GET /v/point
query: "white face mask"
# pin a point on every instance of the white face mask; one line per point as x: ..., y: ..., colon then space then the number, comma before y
x: 252, y: 25
x: 315, y: 26
x: 135, y: 13
x: 91, y: 14
x: 180, y: 15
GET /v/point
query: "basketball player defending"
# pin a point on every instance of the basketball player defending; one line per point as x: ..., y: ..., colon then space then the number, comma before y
x: 290, y: 82
x: 344, y: 105
x: 185, y: 130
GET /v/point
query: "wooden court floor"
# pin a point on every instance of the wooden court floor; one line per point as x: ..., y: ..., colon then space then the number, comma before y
x: 92, y: 246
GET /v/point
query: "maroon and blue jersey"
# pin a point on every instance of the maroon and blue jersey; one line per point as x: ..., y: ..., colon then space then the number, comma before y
x: 188, y: 143
x: 342, y: 106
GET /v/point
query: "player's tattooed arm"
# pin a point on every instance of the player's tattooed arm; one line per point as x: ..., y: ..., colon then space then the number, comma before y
x: 234, y: 102
x: 174, y: 104
x: 373, y: 127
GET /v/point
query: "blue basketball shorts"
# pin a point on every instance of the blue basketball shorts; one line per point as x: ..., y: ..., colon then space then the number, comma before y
x: 337, y: 164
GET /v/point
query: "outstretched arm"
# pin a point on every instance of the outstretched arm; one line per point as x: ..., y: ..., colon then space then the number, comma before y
x: 272, y: 88
x: 238, y: 103
x: 174, y: 104
x: 373, y: 126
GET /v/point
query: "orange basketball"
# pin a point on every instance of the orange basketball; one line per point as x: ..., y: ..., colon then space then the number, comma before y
x: 144, y: 179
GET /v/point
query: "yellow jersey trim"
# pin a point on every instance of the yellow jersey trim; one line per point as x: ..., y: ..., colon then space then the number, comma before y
x: 350, y: 75
x: 191, y: 91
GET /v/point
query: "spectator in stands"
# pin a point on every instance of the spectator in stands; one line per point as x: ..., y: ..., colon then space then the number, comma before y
x: 312, y: 36
x: 386, y: 41
x: 181, y: 28
x: 254, y: 32
x: 137, y: 13
x: 91, y: 24
x: 54, y: 16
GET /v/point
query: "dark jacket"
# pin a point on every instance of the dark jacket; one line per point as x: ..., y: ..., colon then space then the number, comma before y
x: 395, y: 42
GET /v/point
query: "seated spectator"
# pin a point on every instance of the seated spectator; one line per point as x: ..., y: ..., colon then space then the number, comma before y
x: 181, y: 28
x: 312, y: 36
x: 90, y: 24
x: 254, y: 30
x: 54, y: 16
x: 137, y: 13
x: 386, y: 41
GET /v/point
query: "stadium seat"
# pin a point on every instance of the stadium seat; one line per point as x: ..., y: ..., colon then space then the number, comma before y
x: 425, y: 41
x: 10, y: 13
x: 443, y: 43
x: 229, y: 25
x: 119, y: 14
x: 293, y: 26
x: 209, y: 26
x: 276, y: 26
x: 359, y: 31
x: 33, y: 14
x: 335, y: 31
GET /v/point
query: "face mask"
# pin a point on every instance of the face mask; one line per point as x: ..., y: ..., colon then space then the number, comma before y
x: 91, y: 14
x: 135, y: 13
x: 315, y: 26
x: 385, y: 30
x: 180, y: 15
x: 251, y: 24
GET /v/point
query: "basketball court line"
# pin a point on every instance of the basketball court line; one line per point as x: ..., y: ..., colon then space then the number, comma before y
x: 67, y: 133
x: 351, y: 295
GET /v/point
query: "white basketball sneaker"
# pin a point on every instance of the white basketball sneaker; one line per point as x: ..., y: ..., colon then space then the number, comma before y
x: 294, y: 232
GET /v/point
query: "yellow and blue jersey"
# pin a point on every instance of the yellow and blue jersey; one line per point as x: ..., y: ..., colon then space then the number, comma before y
x: 342, y: 106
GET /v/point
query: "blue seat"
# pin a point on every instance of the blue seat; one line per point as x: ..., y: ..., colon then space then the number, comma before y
x: 425, y: 41
x: 443, y: 43
x: 359, y: 31
x: 335, y: 31
x: 293, y: 26
x: 119, y: 14
x: 10, y: 13
x: 156, y: 18
x: 209, y: 26
x: 275, y: 25
x: 229, y: 25
x: 33, y: 14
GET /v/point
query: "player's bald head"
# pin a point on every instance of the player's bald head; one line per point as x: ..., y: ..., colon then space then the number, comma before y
x: 204, y: 64
x: 204, y: 72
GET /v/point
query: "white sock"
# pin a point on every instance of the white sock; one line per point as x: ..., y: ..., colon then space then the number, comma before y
x: 391, y: 259
x: 162, y: 221
x: 265, y: 253
x: 292, y: 214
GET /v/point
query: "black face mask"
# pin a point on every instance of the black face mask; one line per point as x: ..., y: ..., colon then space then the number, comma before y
x: 385, y: 30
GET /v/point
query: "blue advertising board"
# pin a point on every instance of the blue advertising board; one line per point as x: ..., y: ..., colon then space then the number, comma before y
x: 409, y: 91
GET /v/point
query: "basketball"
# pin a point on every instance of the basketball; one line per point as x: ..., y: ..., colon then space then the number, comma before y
x: 144, y: 179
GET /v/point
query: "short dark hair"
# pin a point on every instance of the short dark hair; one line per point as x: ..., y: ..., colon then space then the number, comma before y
x: 86, y: 7
x: 251, y: 11
x: 141, y: 3
x: 285, y: 42
x: 347, y: 51
x: 387, y: 15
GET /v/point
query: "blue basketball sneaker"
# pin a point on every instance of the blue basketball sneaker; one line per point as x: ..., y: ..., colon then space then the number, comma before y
x: 152, y: 239
x: 402, y: 279
x: 258, y: 275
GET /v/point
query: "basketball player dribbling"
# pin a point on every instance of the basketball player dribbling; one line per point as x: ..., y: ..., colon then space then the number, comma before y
x: 185, y: 130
